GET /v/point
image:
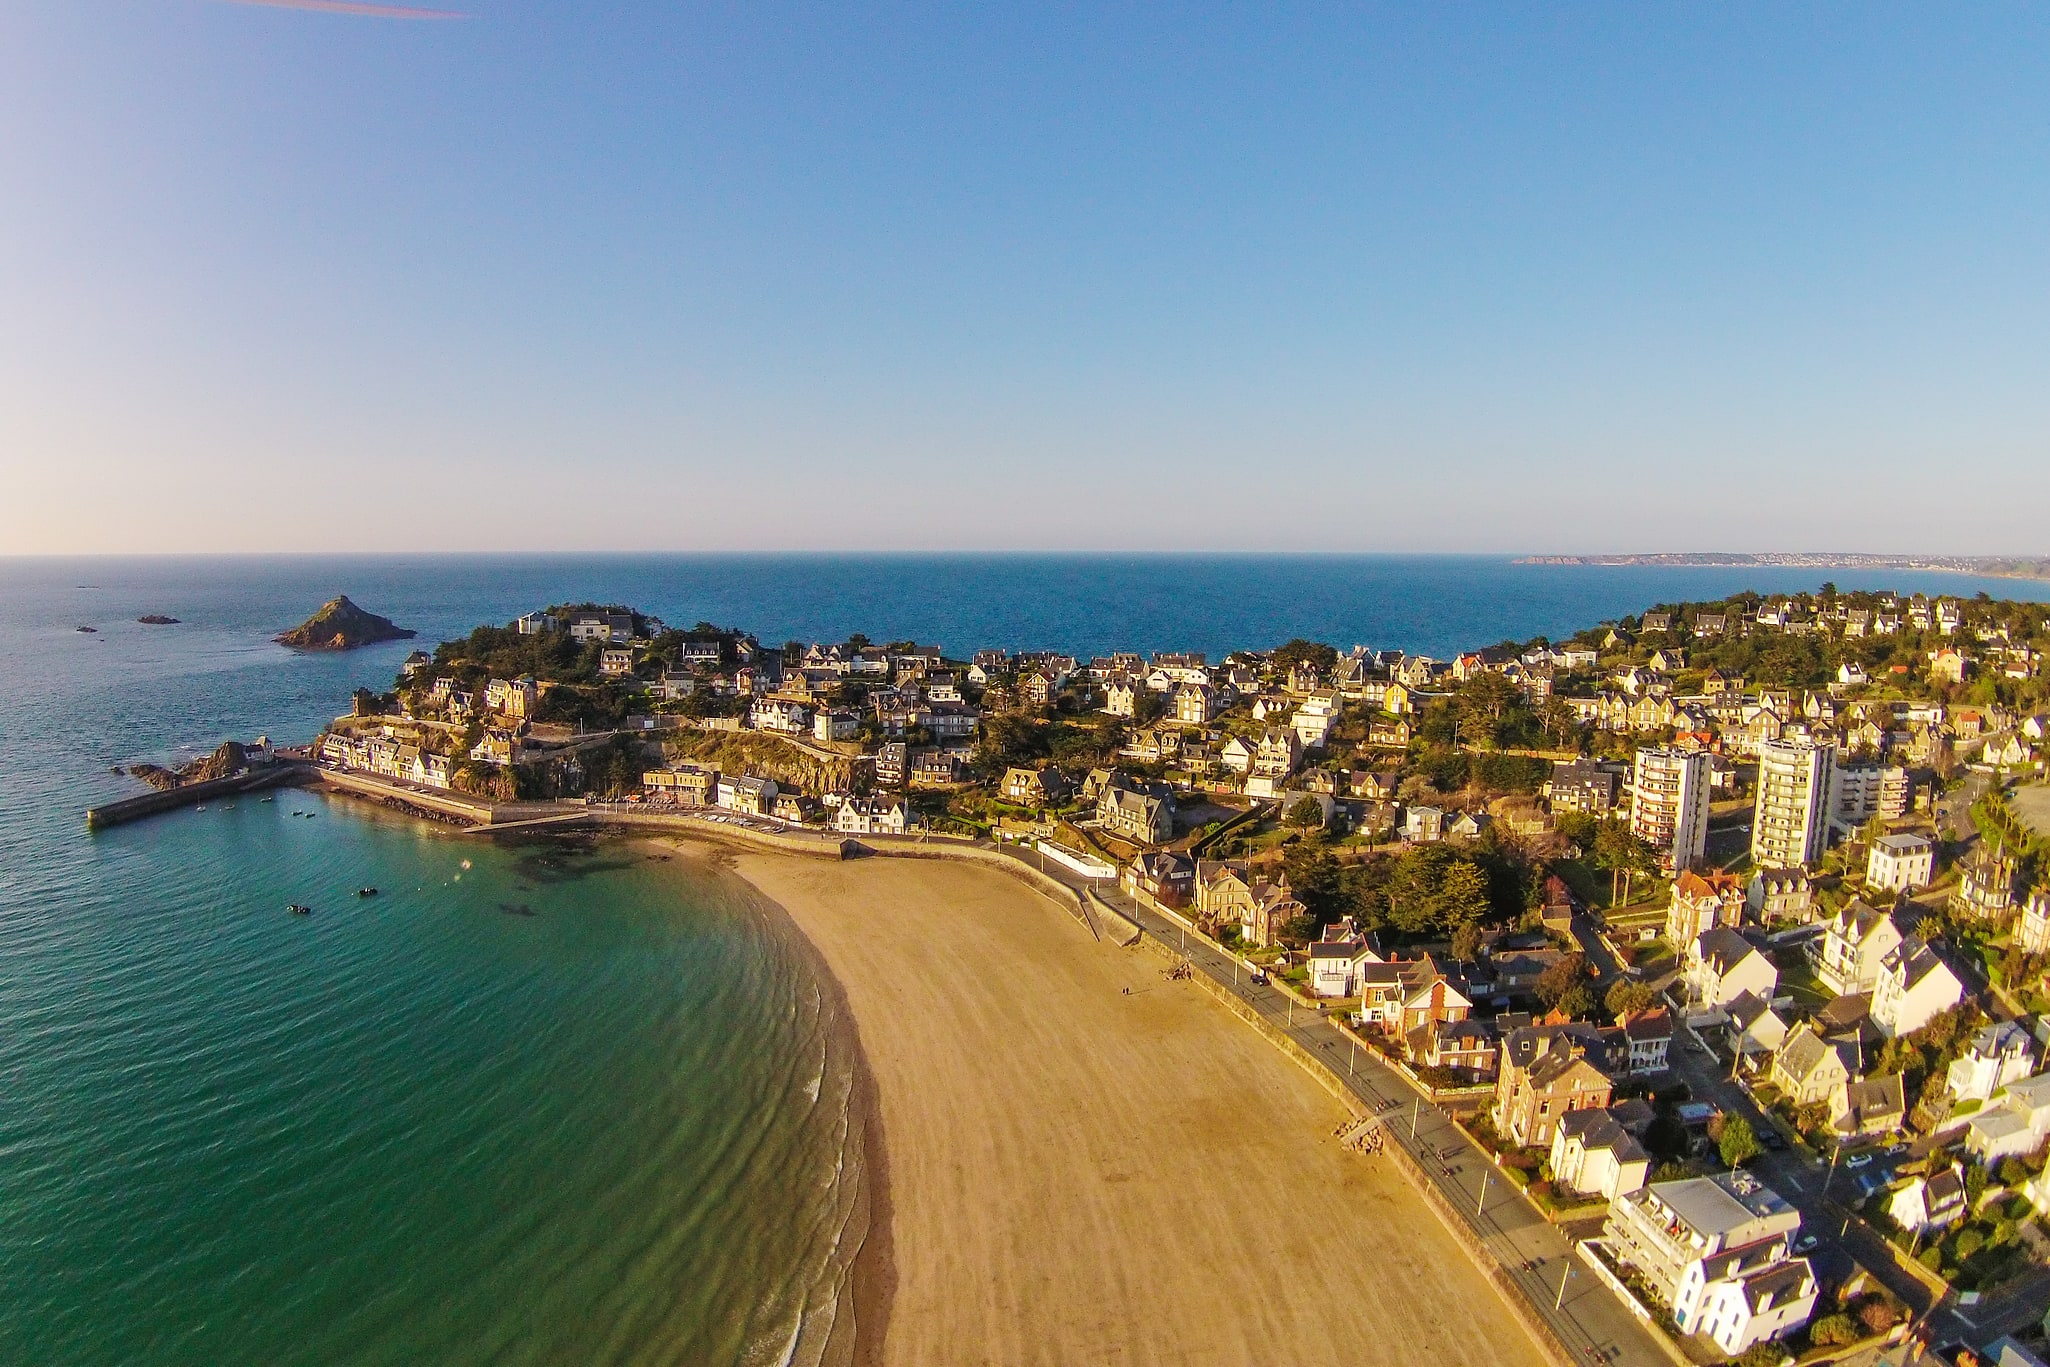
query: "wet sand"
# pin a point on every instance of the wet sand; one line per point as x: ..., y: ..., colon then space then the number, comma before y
x: 1067, y: 1173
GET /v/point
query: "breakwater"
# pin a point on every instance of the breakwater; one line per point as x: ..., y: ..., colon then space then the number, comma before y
x: 190, y: 794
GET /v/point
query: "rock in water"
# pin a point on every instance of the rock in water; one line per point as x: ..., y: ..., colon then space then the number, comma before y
x: 341, y: 625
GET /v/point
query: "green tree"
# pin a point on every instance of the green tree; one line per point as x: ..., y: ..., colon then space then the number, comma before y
x: 1627, y: 995
x: 1299, y: 651
x: 1307, y: 813
x: 1466, y: 943
x: 1738, y: 1144
x: 1578, y: 1001
x: 1621, y: 849
x: 1462, y: 895
x: 1554, y: 983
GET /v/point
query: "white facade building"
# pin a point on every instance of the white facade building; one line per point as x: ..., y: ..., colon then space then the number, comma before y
x: 1900, y: 861
x: 1914, y: 984
x: 1790, y: 823
x: 1669, y: 804
x: 1718, y: 1251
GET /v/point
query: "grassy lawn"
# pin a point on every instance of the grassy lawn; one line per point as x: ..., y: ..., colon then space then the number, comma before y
x: 1798, y: 980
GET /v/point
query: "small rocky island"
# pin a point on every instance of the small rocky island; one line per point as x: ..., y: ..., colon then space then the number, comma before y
x: 341, y: 625
x: 157, y: 619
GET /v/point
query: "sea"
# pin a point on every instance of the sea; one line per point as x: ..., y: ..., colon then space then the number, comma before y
x: 545, y: 1102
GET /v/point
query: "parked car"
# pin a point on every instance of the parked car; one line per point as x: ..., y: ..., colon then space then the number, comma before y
x: 1806, y: 1243
x: 1858, y: 1160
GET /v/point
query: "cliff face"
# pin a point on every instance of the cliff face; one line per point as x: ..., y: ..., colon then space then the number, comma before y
x: 341, y: 625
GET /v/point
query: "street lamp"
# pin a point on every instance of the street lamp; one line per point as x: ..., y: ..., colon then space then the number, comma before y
x: 1560, y: 1299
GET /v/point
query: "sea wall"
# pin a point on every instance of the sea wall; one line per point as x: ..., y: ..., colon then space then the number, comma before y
x: 419, y: 799
x: 187, y: 794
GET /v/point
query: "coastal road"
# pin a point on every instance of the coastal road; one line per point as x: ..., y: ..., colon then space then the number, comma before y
x: 1536, y: 1257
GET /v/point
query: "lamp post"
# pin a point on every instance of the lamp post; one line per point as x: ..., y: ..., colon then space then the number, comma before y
x: 1481, y: 1203
x: 1560, y: 1299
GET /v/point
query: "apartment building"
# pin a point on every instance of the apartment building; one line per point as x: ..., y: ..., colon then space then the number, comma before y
x: 1790, y: 823
x: 1669, y: 804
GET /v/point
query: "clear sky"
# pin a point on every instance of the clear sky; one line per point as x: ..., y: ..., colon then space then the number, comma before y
x: 1557, y: 277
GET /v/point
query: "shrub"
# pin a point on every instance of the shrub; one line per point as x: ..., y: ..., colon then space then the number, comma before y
x: 1878, y: 1316
x: 1969, y: 1241
x: 1833, y: 1330
x: 1932, y: 1258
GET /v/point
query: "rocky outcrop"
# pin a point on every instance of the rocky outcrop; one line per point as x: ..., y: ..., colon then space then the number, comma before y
x: 228, y: 758
x: 157, y: 619
x: 341, y: 625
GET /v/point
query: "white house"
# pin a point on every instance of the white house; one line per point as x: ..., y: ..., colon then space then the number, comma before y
x: 1593, y: 1153
x: 1900, y: 861
x: 2014, y: 1123
x: 1924, y: 1203
x: 870, y: 816
x: 1336, y: 964
x: 1423, y: 825
x: 1914, y: 984
x: 753, y: 796
x: 1755, y: 1030
x: 1999, y: 1054
x: 1854, y: 944
x: 1722, y: 965
x: 1718, y: 1251
x: 834, y: 723
x: 1314, y: 719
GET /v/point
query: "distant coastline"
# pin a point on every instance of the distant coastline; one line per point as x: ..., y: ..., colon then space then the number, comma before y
x: 1991, y: 566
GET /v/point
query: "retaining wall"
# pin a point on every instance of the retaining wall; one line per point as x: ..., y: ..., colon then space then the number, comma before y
x: 438, y: 803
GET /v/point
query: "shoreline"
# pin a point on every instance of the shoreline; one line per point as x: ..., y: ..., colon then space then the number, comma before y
x: 868, y: 1286
x: 1029, y: 1096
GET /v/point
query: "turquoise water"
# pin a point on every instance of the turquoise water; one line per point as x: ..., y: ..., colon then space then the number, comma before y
x: 563, y: 1105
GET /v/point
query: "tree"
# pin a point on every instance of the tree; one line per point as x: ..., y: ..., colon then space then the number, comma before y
x: 1307, y: 813
x: 1577, y: 1002
x: 1738, y: 1144
x: 1630, y: 995
x: 1462, y: 894
x: 1554, y: 983
x: 1298, y: 651
x: 1622, y: 850
x: 1466, y: 943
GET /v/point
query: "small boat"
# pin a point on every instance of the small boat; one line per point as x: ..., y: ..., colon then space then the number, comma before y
x: 366, y: 892
x: 200, y: 808
x: 298, y: 909
x: 270, y: 799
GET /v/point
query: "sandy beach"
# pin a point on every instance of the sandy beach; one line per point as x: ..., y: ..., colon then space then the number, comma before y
x: 1075, y: 1174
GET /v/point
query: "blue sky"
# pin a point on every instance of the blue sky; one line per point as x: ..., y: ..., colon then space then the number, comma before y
x: 1554, y: 278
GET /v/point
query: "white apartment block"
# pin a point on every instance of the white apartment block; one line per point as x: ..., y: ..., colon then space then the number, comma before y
x: 1790, y: 824
x: 1669, y: 804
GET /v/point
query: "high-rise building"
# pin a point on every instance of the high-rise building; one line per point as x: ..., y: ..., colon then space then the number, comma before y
x: 1790, y: 825
x: 1669, y: 805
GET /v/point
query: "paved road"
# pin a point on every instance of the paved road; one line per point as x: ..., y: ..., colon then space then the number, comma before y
x: 1538, y: 1259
